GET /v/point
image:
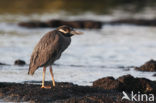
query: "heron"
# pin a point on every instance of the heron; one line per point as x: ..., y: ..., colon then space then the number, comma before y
x: 49, y: 49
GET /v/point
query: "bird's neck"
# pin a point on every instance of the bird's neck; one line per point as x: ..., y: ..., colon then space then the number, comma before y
x: 67, y: 35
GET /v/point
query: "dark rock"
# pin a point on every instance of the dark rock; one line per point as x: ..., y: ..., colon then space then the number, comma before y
x: 19, y: 62
x: 97, y: 98
x: 83, y: 24
x: 86, y: 24
x: 107, y: 83
x: 33, y: 24
x: 54, y: 23
x: 148, y: 66
x: 142, y: 22
x: 89, y: 24
x: 154, y: 75
x: 100, y: 92
x: 3, y: 64
x: 30, y: 92
x: 62, y: 93
x: 126, y: 83
x: 129, y: 83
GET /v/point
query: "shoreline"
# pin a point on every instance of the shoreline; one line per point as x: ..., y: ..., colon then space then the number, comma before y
x: 104, y: 90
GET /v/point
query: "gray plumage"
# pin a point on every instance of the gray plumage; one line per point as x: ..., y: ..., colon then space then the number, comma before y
x: 48, y: 50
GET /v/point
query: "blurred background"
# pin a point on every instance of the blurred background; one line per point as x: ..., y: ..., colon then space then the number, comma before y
x: 73, y: 6
x: 111, y: 50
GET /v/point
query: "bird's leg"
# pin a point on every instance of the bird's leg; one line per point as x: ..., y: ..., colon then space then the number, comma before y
x: 52, y: 76
x: 44, y: 70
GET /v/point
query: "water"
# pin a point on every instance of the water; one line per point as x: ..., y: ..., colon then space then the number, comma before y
x: 96, y: 54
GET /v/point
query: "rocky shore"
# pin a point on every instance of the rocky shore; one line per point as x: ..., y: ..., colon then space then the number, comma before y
x: 149, y: 66
x: 104, y: 90
x: 82, y: 24
x: 86, y: 24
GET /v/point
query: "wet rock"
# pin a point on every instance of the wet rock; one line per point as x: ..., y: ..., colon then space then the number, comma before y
x: 97, y: 98
x: 30, y: 92
x: 19, y: 62
x: 107, y: 83
x: 142, y: 22
x: 3, y: 64
x: 100, y: 92
x: 33, y: 24
x: 83, y: 24
x: 129, y: 83
x: 89, y: 24
x: 148, y: 66
x: 86, y: 24
x: 154, y: 75
x: 126, y: 83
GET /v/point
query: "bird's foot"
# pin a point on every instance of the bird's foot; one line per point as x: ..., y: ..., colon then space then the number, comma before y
x: 46, y: 87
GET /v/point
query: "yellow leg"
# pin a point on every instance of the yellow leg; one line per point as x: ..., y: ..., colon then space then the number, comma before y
x: 44, y: 70
x: 52, y: 76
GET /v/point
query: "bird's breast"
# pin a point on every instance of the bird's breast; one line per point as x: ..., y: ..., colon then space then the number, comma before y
x: 65, y: 42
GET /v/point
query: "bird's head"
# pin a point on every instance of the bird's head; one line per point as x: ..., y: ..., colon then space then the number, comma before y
x: 68, y: 31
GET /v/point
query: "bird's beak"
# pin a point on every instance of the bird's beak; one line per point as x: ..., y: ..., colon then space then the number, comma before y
x: 76, y: 32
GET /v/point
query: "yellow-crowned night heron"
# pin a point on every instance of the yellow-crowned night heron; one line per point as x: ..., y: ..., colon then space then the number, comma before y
x: 49, y: 49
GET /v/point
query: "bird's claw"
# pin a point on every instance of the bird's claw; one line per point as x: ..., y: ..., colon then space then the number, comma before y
x: 46, y: 87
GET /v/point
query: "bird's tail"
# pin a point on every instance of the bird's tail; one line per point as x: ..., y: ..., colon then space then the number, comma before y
x: 32, y: 69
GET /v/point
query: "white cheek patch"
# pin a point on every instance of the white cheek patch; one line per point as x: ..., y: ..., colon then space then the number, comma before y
x: 61, y: 30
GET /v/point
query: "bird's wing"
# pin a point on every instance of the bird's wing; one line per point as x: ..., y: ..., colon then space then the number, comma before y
x: 44, y: 50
